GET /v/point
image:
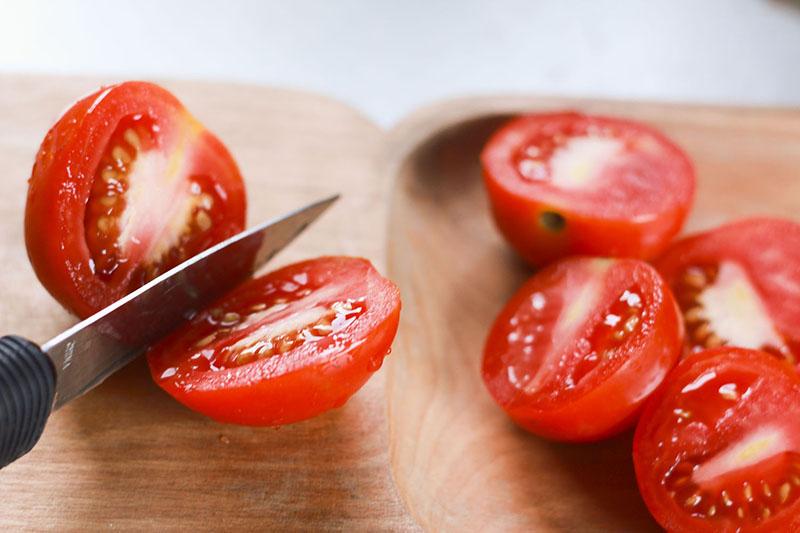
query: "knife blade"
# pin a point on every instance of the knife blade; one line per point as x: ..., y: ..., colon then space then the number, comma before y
x: 90, y: 351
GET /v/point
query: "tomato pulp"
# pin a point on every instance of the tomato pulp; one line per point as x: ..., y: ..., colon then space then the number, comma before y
x: 569, y: 184
x: 126, y: 185
x: 577, y: 350
x: 718, y: 447
x: 739, y: 285
x: 282, y: 347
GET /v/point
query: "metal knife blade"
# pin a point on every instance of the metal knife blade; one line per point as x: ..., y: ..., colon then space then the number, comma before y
x: 90, y: 351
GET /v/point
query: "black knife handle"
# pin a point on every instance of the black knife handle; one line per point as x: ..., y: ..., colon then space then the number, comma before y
x: 27, y: 388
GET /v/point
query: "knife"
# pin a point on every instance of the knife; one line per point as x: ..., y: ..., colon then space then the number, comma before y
x: 34, y: 381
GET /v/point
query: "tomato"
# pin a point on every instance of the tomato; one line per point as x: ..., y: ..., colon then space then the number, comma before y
x: 570, y: 184
x: 126, y: 185
x: 718, y: 447
x: 739, y: 285
x: 581, y: 345
x: 282, y: 347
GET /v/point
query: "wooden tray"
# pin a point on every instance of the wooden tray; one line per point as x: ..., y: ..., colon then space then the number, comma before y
x: 459, y: 463
x: 127, y: 456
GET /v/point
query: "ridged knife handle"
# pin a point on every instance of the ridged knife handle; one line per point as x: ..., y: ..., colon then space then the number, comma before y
x: 27, y: 388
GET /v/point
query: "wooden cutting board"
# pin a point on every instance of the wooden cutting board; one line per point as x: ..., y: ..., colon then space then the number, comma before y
x: 127, y: 456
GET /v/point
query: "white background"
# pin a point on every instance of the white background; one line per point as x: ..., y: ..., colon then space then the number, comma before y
x: 388, y: 57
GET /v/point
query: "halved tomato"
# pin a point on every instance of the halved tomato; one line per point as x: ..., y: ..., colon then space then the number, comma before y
x: 570, y: 184
x: 126, y: 185
x: 577, y: 350
x: 282, y: 347
x: 718, y: 447
x: 739, y: 285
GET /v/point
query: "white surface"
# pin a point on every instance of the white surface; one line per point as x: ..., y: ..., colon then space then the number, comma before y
x: 390, y: 57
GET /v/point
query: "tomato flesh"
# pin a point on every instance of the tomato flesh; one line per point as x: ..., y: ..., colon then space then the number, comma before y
x: 739, y: 285
x: 566, y: 184
x: 126, y: 185
x: 579, y: 347
x: 718, y: 448
x: 283, y: 347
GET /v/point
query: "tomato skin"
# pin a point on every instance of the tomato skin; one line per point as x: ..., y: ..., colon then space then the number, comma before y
x: 610, y: 401
x: 63, y: 175
x: 768, y: 249
x: 302, y: 383
x: 652, y: 451
x: 520, y: 210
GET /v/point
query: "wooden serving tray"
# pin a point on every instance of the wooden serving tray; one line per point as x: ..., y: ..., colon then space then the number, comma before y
x: 459, y: 463
x: 127, y: 456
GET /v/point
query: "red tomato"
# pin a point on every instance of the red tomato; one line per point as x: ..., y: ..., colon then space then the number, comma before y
x: 126, y: 185
x: 566, y: 183
x: 579, y: 347
x: 718, y: 447
x: 739, y: 285
x: 283, y: 347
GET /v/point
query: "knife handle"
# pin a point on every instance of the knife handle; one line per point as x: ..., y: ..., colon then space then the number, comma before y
x: 27, y: 389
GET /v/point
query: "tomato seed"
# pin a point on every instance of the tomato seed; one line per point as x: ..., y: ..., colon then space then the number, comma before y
x: 784, y: 491
x: 766, y: 489
x: 702, y: 332
x: 206, y: 201
x: 694, y: 314
x: 713, y: 341
x: 729, y: 392
x: 132, y: 139
x: 695, y: 278
x: 694, y: 500
x: 120, y: 156
x: 108, y: 201
x: 203, y: 220
x: 747, y: 491
x: 105, y: 224
x: 726, y: 499
x: 109, y: 174
x: 205, y: 341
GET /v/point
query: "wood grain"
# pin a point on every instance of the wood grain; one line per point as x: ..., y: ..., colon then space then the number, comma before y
x: 127, y: 456
x: 459, y: 464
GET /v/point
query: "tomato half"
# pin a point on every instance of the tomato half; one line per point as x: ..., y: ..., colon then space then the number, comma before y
x: 570, y: 184
x: 577, y: 350
x: 282, y: 347
x: 718, y: 447
x: 126, y: 185
x: 739, y: 285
